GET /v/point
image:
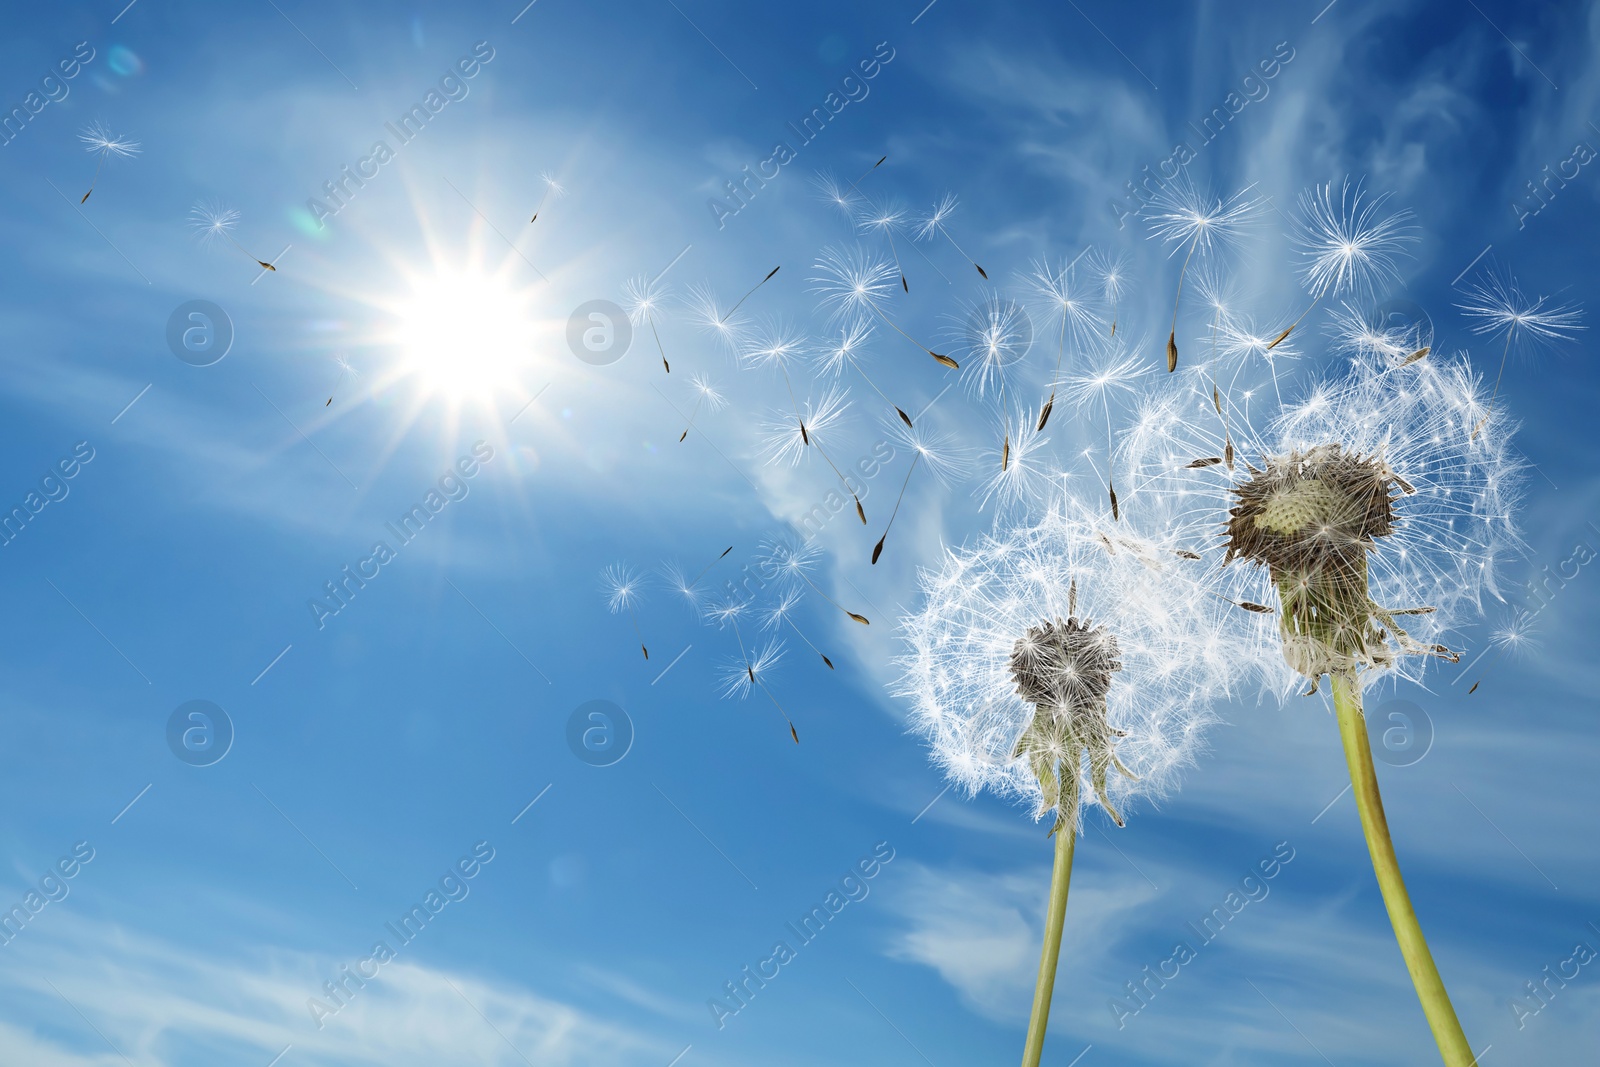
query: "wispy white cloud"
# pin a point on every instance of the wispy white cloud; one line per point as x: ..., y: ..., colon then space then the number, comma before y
x: 159, y: 1003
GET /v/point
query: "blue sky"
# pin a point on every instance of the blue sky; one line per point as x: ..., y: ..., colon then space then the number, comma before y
x: 371, y: 753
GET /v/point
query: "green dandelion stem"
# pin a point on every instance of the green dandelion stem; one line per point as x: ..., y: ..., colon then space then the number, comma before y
x: 1453, y: 1047
x: 1055, y: 918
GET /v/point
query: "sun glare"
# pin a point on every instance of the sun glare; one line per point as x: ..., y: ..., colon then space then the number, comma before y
x: 464, y: 333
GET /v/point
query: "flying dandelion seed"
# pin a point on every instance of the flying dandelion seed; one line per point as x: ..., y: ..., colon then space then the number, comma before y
x: 1114, y: 372
x: 792, y: 561
x: 1075, y: 313
x: 1182, y: 216
x: 1028, y: 473
x: 777, y: 345
x: 213, y: 220
x: 679, y: 582
x: 885, y: 219
x: 834, y: 357
x: 1498, y: 306
x: 1371, y: 336
x: 934, y: 225
x: 347, y: 371
x: 705, y: 396
x: 1111, y: 268
x: 994, y: 334
x: 856, y: 185
x: 621, y: 585
x: 780, y: 613
x: 753, y: 288
x: 98, y: 140
x: 750, y: 671
x: 1242, y: 343
x: 843, y: 197
x: 851, y: 282
x: 1349, y: 245
x: 642, y: 298
x: 706, y: 312
x: 937, y: 453
x: 783, y: 445
x: 551, y: 188
x: 1050, y: 670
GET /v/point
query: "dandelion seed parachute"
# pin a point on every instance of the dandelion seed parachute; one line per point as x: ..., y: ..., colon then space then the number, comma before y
x: 642, y: 300
x: 1183, y: 216
x: 705, y: 396
x: 621, y: 585
x: 1076, y: 312
x: 98, y: 140
x: 1348, y: 245
x: 832, y: 358
x: 852, y: 283
x: 213, y: 220
x: 1499, y: 307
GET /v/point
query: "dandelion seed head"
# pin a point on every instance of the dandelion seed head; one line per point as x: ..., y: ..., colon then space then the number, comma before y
x: 939, y: 453
x: 774, y: 344
x: 707, y: 312
x: 706, y: 393
x: 1040, y: 649
x: 1111, y: 268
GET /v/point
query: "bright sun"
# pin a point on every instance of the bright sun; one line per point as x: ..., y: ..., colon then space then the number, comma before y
x: 464, y: 332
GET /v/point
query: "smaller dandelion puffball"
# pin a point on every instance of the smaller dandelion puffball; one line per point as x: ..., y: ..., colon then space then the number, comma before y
x: 1068, y: 647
